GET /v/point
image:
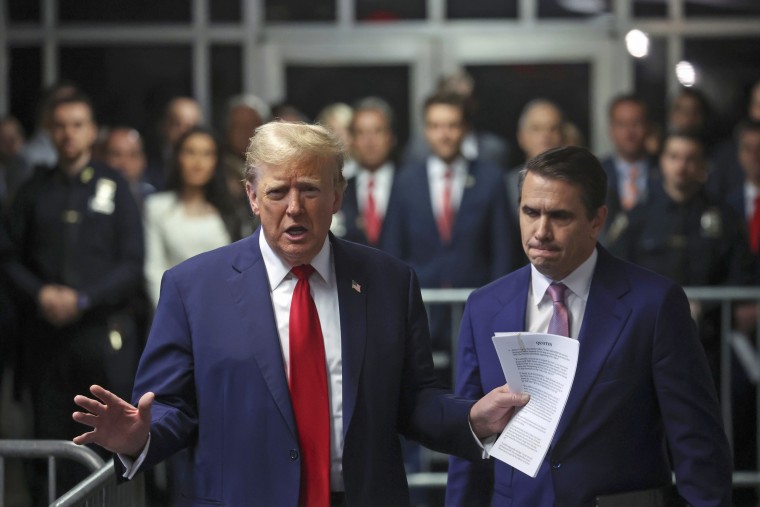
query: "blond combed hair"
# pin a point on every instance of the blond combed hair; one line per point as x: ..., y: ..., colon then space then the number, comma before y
x: 284, y: 144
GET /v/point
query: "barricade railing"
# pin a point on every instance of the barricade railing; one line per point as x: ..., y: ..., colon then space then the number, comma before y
x: 731, y: 343
x: 97, y: 489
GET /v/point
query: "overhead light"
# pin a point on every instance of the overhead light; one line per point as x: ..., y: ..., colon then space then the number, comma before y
x: 686, y: 74
x: 637, y: 43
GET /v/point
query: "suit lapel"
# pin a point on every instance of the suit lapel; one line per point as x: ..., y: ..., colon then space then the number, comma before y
x: 352, y: 302
x: 602, y: 324
x: 511, y: 317
x: 250, y: 290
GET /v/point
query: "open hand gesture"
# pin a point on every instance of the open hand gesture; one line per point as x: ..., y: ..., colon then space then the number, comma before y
x: 116, y: 425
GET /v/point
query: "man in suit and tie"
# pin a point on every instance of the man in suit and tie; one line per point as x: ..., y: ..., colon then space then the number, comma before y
x: 448, y: 216
x: 642, y: 405
x: 367, y: 193
x: 631, y: 172
x: 289, y: 361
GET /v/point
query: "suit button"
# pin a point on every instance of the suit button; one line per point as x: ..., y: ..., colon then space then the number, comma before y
x: 556, y: 465
x: 293, y: 454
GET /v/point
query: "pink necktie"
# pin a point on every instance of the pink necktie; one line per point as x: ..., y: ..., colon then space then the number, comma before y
x: 560, y: 323
x: 631, y: 194
x: 308, y: 393
x: 446, y: 217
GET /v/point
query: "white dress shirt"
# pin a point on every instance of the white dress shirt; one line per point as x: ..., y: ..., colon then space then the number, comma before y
x: 324, y: 290
x: 540, y: 307
x: 381, y: 190
x: 436, y: 169
x: 750, y: 192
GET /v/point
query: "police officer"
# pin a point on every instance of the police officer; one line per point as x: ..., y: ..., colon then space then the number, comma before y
x: 78, y: 260
x: 681, y: 232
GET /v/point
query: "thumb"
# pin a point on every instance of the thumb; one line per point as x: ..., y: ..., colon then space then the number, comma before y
x: 145, y: 405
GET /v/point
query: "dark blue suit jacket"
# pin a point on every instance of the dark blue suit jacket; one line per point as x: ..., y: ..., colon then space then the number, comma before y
x: 642, y: 392
x: 214, y: 361
x: 351, y: 222
x: 484, y: 237
x: 613, y: 193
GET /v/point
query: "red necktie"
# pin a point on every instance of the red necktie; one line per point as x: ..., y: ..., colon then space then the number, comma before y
x: 754, y: 228
x: 631, y: 194
x: 560, y: 322
x: 446, y: 216
x: 372, y: 222
x: 308, y: 392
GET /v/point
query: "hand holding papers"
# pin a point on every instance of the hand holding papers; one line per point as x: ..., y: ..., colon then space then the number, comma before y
x: 542, y: 365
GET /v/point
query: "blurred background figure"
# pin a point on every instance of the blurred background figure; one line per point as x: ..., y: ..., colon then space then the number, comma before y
x: 245, y: 113
x: 78, y: 244
x: 337, y: 118
x: 631, y: 171
x: 195, y: 213
x: 181, y: 114
x: 13, y: 168
x: 691, y: 112
x: 477, y: 144
x: 288, y: 112
x: 539, y: 128
x: 39, y: 149
x: 123, y: 150
x: 365, y: 200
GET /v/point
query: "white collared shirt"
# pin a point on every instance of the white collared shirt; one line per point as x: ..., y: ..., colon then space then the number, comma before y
x: 381, y: 191
x: 436, y: 170
x: 750, y: 193
x: 324, y: 290
x: 540, y: 308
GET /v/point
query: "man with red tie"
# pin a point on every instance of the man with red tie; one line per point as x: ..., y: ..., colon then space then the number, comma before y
x: 365, y: 201
x: 642, y: 407
x: 289, y: 362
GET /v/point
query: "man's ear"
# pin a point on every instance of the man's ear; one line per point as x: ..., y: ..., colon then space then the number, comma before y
x: 253, y: 202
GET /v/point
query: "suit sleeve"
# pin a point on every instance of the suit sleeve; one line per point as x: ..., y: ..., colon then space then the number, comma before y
x: 470, y: 483
x: 166, y: 369
x: 689, y: 405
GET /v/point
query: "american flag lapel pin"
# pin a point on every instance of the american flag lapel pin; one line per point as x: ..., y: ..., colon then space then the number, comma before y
x: 355, y: 285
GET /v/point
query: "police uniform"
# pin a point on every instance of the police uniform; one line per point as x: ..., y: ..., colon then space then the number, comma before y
x: 82, y: 232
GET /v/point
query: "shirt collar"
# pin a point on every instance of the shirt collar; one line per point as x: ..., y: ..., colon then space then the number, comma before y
x: 579, y: 281
x: 437, y: 167
x: 278, y: 269
x: 382, y: 173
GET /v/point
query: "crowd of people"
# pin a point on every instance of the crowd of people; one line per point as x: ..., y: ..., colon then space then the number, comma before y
x: 92, y: 220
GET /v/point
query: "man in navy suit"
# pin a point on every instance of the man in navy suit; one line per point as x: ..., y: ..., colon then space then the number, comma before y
x: 642, y: 405
x: 365, y: 201
x: 218, y: 374
x: 631, y: 172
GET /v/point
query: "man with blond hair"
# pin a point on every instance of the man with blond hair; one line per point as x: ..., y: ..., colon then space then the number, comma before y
x: 289, y: 361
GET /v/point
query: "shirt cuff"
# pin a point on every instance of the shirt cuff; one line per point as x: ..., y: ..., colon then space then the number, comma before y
x: 486, y: 444
x: 133, y: 465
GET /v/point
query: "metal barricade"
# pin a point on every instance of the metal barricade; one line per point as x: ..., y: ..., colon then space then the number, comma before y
x: 98, y: 489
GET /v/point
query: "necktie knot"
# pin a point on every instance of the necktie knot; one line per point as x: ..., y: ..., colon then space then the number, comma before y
x: 557, y: 292
x: 303, y: 272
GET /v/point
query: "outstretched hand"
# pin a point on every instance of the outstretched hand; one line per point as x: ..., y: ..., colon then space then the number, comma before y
x: 493, y: 411
x: 116, y: 425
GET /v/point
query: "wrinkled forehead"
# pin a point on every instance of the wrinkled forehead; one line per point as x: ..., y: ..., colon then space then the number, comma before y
x: 314, y: 170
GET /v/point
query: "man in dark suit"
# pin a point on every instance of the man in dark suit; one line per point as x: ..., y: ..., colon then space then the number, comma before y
x: 365, y: 201
x: 642, y: 404
x: 631, y: 172
x: 289, y: 361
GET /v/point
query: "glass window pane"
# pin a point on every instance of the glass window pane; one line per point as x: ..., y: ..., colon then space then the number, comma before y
x: 130, y: 85
x: 390, y: 10
x: 226, y: 80
x: 310, y: 88
x: 24, y: 10
x: 725, y: 81
x: 481, y: 9
x: 25, y: 84
x: 225, y: 11
x: 651, y: 80
x: 565, y: 84
x: 727, y: 8
x: 299, y: 10
x: 572, y: 8
x: 650, y: 8
x: 111, y: 11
